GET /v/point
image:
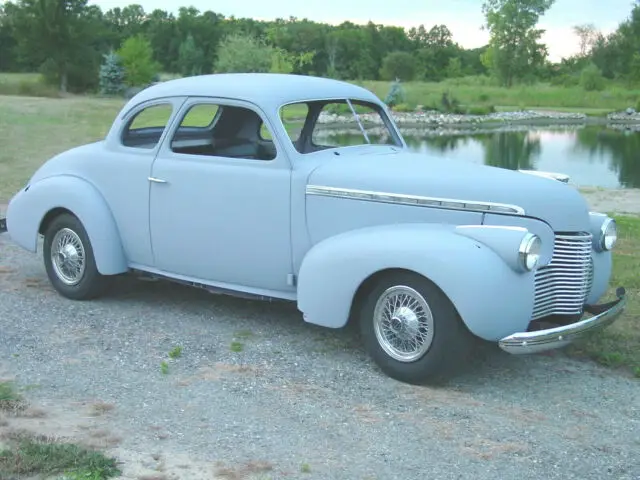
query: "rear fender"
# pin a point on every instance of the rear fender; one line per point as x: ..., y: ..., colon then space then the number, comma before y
x: 493, y: 298
x: 29, y: 208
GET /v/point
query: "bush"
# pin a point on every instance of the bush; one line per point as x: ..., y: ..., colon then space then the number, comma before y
x: 591, y: 78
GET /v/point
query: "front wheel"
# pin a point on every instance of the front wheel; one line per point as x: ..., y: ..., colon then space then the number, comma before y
x: 412, y: 330
x: 69, y: 260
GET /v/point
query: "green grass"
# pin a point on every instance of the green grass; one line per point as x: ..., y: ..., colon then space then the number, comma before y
x: 619, y: 344
x: 480, y: 92
x: 29, y: 456
x: 28, y: 84
x: 34, y: 129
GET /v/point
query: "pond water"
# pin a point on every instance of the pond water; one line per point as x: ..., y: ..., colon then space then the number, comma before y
x: 590, y: 155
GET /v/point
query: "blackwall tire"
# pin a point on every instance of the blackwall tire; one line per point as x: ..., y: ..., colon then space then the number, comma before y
x: 412, y: 330
x: 69, y: 260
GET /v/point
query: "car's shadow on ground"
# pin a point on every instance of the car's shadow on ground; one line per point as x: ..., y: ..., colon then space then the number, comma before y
x: 487, y: 363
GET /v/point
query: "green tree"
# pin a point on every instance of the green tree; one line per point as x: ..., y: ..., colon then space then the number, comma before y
x: 243, y: 53
x: 398, y: 65
x: 137, y: 59
x: 58, y: 36
x: 190, y: 57
x: 112, y: 75
x: 514, y: 48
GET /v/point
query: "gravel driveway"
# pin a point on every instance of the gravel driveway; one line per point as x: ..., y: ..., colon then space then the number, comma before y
x: 296, y: 401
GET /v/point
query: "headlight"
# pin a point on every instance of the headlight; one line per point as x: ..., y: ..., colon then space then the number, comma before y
x: 529, y: 252
x: 608, y: 234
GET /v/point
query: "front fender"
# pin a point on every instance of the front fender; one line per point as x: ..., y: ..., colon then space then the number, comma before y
x: 492, y: 298
x: 29, y: 207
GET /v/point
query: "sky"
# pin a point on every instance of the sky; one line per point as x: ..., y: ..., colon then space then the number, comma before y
x: 463, y: 17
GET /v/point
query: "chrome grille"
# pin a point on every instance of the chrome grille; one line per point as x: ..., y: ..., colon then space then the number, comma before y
x: 562, y: 286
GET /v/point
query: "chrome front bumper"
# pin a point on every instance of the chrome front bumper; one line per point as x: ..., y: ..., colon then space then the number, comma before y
x: 552, y: 338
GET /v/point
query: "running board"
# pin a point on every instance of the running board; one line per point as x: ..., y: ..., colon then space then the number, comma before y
x: 144, y: 275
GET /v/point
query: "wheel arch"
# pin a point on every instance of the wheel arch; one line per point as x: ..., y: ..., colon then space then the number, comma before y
x: 31, y: 211
x: 368, y: 284
x: 50, y: 216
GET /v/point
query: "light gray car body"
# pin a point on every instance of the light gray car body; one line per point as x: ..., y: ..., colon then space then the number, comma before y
x: 315, y: 227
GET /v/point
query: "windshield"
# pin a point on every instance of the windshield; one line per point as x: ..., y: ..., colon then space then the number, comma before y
x: 319, y: 125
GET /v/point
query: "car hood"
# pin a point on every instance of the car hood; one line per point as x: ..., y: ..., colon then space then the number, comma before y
x: 558, y: 204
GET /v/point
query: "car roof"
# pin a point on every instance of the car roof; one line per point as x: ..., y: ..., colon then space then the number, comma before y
x: 267, y: 90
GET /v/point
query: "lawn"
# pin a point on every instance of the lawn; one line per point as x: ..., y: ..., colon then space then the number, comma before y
x: 33, y: 129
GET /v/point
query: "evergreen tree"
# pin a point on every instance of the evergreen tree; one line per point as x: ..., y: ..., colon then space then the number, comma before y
x: 111, y: 75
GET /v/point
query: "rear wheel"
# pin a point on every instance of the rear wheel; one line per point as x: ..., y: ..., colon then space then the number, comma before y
x: 412, y: 330
x: 69, y: 260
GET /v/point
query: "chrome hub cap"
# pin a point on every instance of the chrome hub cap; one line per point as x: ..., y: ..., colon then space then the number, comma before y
x: 403, y: 323
x: 68, y: 256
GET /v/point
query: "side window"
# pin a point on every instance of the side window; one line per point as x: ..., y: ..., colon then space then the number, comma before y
x: 145, y: 128
x: 218, y: 130
x: 200, y: 116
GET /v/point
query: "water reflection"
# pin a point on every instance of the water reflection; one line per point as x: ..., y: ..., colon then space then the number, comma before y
x: 591, y: 156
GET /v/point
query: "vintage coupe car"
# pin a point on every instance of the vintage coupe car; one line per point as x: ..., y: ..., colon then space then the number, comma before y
x: 209, y: 180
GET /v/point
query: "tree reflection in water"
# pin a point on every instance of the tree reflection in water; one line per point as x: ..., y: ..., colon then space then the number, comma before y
x: 619, y: 150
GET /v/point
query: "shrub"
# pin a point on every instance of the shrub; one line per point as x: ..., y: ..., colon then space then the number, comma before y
x: 396, y: 94
x: 591, y: 78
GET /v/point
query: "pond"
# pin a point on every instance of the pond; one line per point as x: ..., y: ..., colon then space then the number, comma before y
x: 597, y: 156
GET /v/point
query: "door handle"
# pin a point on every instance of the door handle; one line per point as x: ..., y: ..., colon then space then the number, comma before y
x: 156, y: 180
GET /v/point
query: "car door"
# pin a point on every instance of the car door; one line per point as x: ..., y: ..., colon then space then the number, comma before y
x: 219, y: 202
x: 123, y: 169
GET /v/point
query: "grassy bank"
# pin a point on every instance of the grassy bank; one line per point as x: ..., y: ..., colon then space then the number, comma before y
x: 476, y: 92
x: 469, y: 91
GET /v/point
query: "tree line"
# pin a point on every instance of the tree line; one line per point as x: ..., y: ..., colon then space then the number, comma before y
x: 70, y: 41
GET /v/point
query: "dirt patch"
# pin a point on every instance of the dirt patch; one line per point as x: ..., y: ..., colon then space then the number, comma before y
x: 620, y: 201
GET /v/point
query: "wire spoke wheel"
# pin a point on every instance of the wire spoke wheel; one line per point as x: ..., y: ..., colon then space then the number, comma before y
x: 68, y: 256
x: 403, y: 323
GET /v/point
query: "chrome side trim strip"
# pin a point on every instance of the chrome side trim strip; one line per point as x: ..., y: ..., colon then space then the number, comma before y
x: 415, y: 200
